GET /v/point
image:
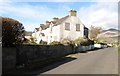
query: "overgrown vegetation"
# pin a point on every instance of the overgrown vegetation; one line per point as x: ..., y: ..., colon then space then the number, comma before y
x: 67, y: 41
x: 100, y: 41
x: 83, y: 41
x: 55, y: 43
x: 79, y: 41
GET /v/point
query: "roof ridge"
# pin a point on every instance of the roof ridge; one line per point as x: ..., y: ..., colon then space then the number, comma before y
x: 59, y: 21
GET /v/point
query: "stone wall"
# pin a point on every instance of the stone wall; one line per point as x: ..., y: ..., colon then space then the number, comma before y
x: 8, y: 58
x: 29, y: 54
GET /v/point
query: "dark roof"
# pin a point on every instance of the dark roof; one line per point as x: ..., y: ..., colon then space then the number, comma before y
x: 44, y: 26
x: 61, y: 20
x: 28, y: 33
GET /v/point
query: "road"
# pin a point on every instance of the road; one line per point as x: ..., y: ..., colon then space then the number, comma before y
x: 102, y: 61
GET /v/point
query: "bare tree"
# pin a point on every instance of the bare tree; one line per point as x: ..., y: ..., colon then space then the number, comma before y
x: 94, y: 31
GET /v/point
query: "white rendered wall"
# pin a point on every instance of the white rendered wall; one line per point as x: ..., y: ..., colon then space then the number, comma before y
x: 72, y: 34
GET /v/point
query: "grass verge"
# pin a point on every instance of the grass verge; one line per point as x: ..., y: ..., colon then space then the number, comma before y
x: 119, y: 50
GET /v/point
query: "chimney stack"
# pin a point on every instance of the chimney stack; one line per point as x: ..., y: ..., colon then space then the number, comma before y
x: 73, y: 12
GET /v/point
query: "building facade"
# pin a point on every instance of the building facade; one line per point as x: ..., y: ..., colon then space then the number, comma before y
x: 69, y: 27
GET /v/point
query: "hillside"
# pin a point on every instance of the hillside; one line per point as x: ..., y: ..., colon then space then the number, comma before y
x: 110, y: 35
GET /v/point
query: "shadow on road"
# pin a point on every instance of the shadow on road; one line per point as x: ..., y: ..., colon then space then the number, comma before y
x: 96, y: 49
x: 54, y: 65
x: 47, y: 67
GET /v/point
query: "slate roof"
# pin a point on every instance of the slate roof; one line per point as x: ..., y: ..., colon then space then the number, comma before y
x: 61, y: 20
x: 55, y: 23
x: 28, y: 33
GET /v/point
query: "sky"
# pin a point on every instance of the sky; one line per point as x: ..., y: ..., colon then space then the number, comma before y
x: 32, y: 14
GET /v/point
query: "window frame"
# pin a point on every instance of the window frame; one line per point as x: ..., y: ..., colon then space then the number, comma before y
x: 77, y: 28
x: 67, y: 26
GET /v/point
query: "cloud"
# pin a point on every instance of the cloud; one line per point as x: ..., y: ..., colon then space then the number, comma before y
x: 59, y: 0
x: 100, y: 14
x: 31, y: 15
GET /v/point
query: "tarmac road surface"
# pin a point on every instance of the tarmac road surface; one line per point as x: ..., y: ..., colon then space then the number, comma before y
x: 102, y: 61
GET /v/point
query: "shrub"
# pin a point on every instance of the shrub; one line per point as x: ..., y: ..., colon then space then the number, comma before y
x: 83, y: 41
x: 12, y: 32
x: 100, y: 41
x: 67, y: 41
x: 55, y: 43
x: 78, y: 40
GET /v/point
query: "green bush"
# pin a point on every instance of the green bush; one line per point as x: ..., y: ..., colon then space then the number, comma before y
x: 100, y: 41
x: 29, y: 42
x: 55, y: 43
x: 83, y: 41
x: 78, y: 40
x: 67, y: 41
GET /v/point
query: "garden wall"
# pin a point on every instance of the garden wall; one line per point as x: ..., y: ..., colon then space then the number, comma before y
x: 30, y: 54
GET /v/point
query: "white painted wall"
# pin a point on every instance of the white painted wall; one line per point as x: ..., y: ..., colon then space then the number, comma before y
x: 58, y: 32
x: 72, y: 34
x: 47, y: 34
x: 37, y: 36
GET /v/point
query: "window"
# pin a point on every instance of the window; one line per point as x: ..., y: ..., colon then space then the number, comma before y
x: 50, y: 36
x: 67, y: 26
x: 77, y: 27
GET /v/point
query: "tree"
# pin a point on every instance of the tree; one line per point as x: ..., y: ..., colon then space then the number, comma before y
x: 94, y: 31
x: 12, y: 32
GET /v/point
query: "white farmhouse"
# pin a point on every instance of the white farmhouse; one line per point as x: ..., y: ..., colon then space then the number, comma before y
x: 69, y: 27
